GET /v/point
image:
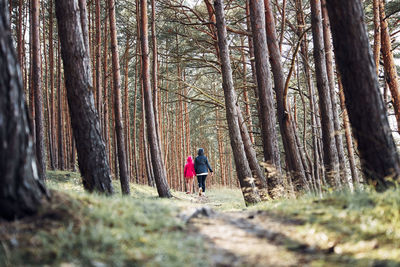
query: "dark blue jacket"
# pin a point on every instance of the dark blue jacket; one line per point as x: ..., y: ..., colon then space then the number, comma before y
x: 201, y: 164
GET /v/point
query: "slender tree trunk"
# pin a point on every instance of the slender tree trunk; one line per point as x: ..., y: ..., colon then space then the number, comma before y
x: 60, y: 122
x: 331, y: 82
x: 21, y: 193
x: 389, y: 64
x: 37, y: 88
x: 158, y: 164
x: 246, y: 181
x: 378, y: 153
x: 267, y: 109
x: 349, y: 138
x: 119, y: 128
x: 377, y: 34
x: 98, y: 63
x: 126, y: 105
x: 92, y: 156
x: 292, y: 153
x: 329, y: 144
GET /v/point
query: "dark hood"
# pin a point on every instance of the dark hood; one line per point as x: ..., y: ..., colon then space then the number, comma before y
x: 200, y: 152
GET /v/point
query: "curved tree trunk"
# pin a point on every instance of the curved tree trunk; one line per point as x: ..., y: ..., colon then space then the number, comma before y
x: 159, y: 171
x: 246, y: 181
x: 21, y: 191
x: 92, y: 156
x: 367, y: 113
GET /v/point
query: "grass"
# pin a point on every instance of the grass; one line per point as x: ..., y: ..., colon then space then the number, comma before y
x: 364, y: 225
x: 143, y: 230
x: 91, y: 230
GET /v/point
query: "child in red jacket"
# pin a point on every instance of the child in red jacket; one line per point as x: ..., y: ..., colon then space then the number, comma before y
x: 189, y: 174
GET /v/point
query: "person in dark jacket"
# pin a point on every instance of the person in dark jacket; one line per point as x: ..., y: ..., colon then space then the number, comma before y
x: 201, y: 166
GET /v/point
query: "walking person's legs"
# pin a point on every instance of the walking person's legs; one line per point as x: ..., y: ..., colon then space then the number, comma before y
x: 204, y: 183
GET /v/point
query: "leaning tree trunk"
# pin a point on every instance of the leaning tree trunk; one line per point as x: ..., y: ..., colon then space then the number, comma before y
x: 246, y: 181
x: 159, y: 171
x: 21, y: 191
x: 37, y: 88
x: 292, y: 153
x: 119, y: 128
x: 331, y: 161
x: 266, y: 99
x: 367, y: 113
x: 92, y: 156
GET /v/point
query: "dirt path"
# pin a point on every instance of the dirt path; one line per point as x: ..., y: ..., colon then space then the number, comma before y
x: 256, y: 238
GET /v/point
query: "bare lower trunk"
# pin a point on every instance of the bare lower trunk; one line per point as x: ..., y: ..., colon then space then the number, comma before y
x: 378, y: 154
x: 92, y: 156
x: 246, y: 181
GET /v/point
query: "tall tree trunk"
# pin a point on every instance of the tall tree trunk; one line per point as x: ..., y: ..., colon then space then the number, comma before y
x: 98, y: 62
x: 389, y: 64
x: 37, y: 88
x: 60, y: 121
x: 292, y: 153
x: 21, y: 192
x: 377, y: 34
x: 329, y: 143
x: 266, y: 99
x: 158, y: 164
x: 119, y: 128
x: 367, y: 113
x: 246, y: 181
x: 92, y: 156
x: 331, y: 82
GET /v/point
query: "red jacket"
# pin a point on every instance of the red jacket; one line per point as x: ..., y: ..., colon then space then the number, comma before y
x: 188, y: 171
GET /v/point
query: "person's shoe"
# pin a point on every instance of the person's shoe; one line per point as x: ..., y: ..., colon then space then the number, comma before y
x: 200, y: 191
x: 187, y: 192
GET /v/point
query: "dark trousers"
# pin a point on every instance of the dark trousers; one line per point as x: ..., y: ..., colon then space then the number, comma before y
x: 201, y: 179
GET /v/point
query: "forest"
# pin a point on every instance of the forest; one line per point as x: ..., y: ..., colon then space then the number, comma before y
x: 289, y: 110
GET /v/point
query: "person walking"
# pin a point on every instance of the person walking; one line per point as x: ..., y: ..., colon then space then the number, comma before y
x: 189, y: 174
x: 201, y: 166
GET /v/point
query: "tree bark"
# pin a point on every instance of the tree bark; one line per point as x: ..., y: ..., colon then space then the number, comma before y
x: 37, y: 88
x: 331, y: 82
x: 156, y: 158
x: 92, y: 156
x: 329, y: 143
x: 246, y: 181
x: 119, y: 127
x: 378, y: 154
x: 377, y: 34
x: 266, y: 100
x: 292, y: 153
x: 389, y: 64
x: 21, y: 191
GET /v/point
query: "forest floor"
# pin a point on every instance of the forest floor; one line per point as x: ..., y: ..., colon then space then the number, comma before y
x: 81, y: 229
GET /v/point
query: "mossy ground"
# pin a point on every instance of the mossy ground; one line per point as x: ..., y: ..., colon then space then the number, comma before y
x: 143, y: 230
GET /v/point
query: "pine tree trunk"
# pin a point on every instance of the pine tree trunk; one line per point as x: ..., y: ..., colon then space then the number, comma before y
x: 21, y: 191
x: 331, y: 161
x: 331, y: 82
x: 378, y: 154
x: 266, y: 99
x: 156, y: 158
x: 119, y: 127
x: 389, y: 64
x: 246, y: 181
x: 292, y: 153
x: 377, y: 34
x: 37, y: 88
x: 98, y: 63
x: 92, y: 156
